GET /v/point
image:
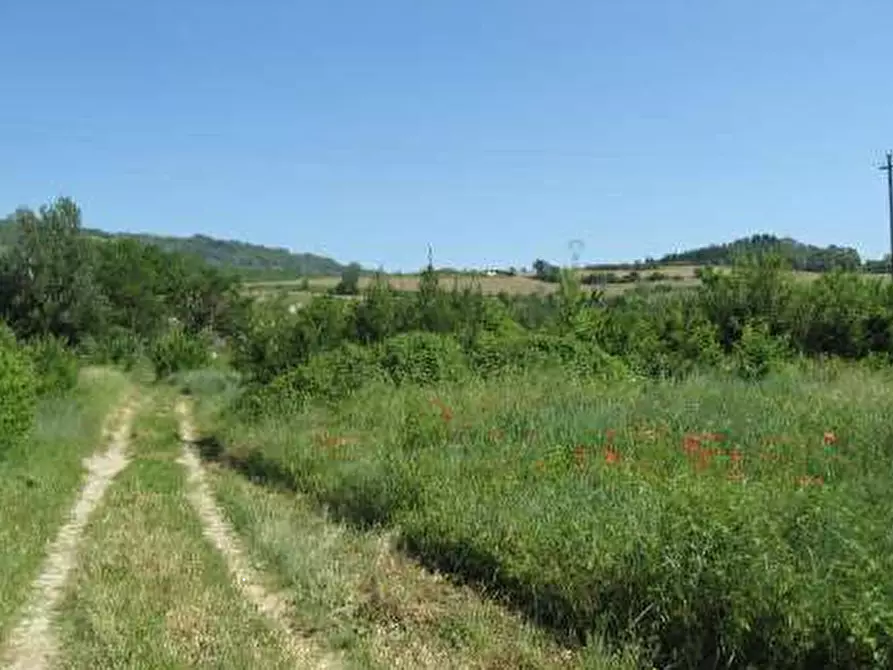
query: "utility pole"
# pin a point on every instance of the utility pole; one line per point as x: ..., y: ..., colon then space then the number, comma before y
x: 888, y: 168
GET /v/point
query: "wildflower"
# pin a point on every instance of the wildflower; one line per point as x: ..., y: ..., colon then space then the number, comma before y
x: 735, y: 455
x: 445, y: 412
x: 329, y: 440
x: 829, y: 438
x: 691, y: 444
x: 612, y: 456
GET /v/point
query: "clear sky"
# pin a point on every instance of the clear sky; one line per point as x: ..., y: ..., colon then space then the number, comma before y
x: 495, y: 130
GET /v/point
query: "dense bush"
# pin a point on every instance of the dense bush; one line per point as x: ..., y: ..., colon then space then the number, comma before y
x: 55, y: 365
x: 18, y: 392
x: 758, y: 352
x: 422, y: 358
x: 176, y: 350
x: 117, y: 347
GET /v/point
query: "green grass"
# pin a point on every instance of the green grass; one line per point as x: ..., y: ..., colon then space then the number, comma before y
x: 149, y: 590
x: 602, y: 509
x: 41, y: 477
x: 382, y: 610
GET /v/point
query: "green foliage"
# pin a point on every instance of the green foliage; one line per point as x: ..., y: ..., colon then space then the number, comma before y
x: 330, y: 376
x: 758, y: 289
x: 657, y: 512
x: 118, y: 346
x: 422, y: 358
x: 758, y: 352
x: 380, y: 314
x: 18, y: 392
x: 55, y: 365
x: 797, y: 255
x: 350, y: 281
x: 249, y: 260
x: 57, y: 280
x: 545, y: 271
x: 177, y: 350
x: 47, y: 280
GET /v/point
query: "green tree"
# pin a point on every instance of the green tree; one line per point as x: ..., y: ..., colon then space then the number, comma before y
x: 350, y: 280
x: 47, y: 280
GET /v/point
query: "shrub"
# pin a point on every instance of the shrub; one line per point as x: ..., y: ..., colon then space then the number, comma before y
x: 350, y: 281
x: 422, y: 358
x: 330, y: 376
x: 758, y: 352
x: 276, y: 341
x: 55, y: 365
x: 18, y: 392
x: 118, y: 347
x: 177, y: 350
x: 333, y: 375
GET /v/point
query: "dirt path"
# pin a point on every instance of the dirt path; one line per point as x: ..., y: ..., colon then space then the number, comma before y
x: 247, y: 579
x: 32, y: 644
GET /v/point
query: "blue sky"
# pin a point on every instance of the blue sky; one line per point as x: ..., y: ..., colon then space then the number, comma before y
x: 495, y: 130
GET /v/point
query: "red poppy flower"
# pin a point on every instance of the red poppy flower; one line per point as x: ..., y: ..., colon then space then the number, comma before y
x: 829, y: 438
x: 612, y: 456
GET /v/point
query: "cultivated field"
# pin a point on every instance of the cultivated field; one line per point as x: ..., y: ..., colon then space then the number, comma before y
x: 299, y: 293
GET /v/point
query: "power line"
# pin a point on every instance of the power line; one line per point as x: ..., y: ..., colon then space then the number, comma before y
x: 888, y: 168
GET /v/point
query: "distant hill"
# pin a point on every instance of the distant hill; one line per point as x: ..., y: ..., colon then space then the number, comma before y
x: 252, y: 260
x: 801, y: 256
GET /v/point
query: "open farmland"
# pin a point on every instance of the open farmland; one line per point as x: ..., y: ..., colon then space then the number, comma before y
x: 300, y: 292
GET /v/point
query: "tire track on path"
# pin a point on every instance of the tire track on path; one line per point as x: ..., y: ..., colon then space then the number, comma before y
x: 32, y: 644
x: 249, y: 582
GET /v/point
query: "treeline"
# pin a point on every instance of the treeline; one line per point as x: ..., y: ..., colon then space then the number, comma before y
x: 798, y: 255
x: 251, y: 261
x: 68, y: 297
x: 121, y: 301
x: 747, y: 320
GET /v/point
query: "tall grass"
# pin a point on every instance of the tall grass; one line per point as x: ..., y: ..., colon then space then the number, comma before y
x: 711, y: 521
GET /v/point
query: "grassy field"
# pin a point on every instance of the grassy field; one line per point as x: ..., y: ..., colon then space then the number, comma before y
x: 710, y: 520
x: 381, y: 609
x: 531, y: 520
x: 41, y: 479
x: 149, y: 589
